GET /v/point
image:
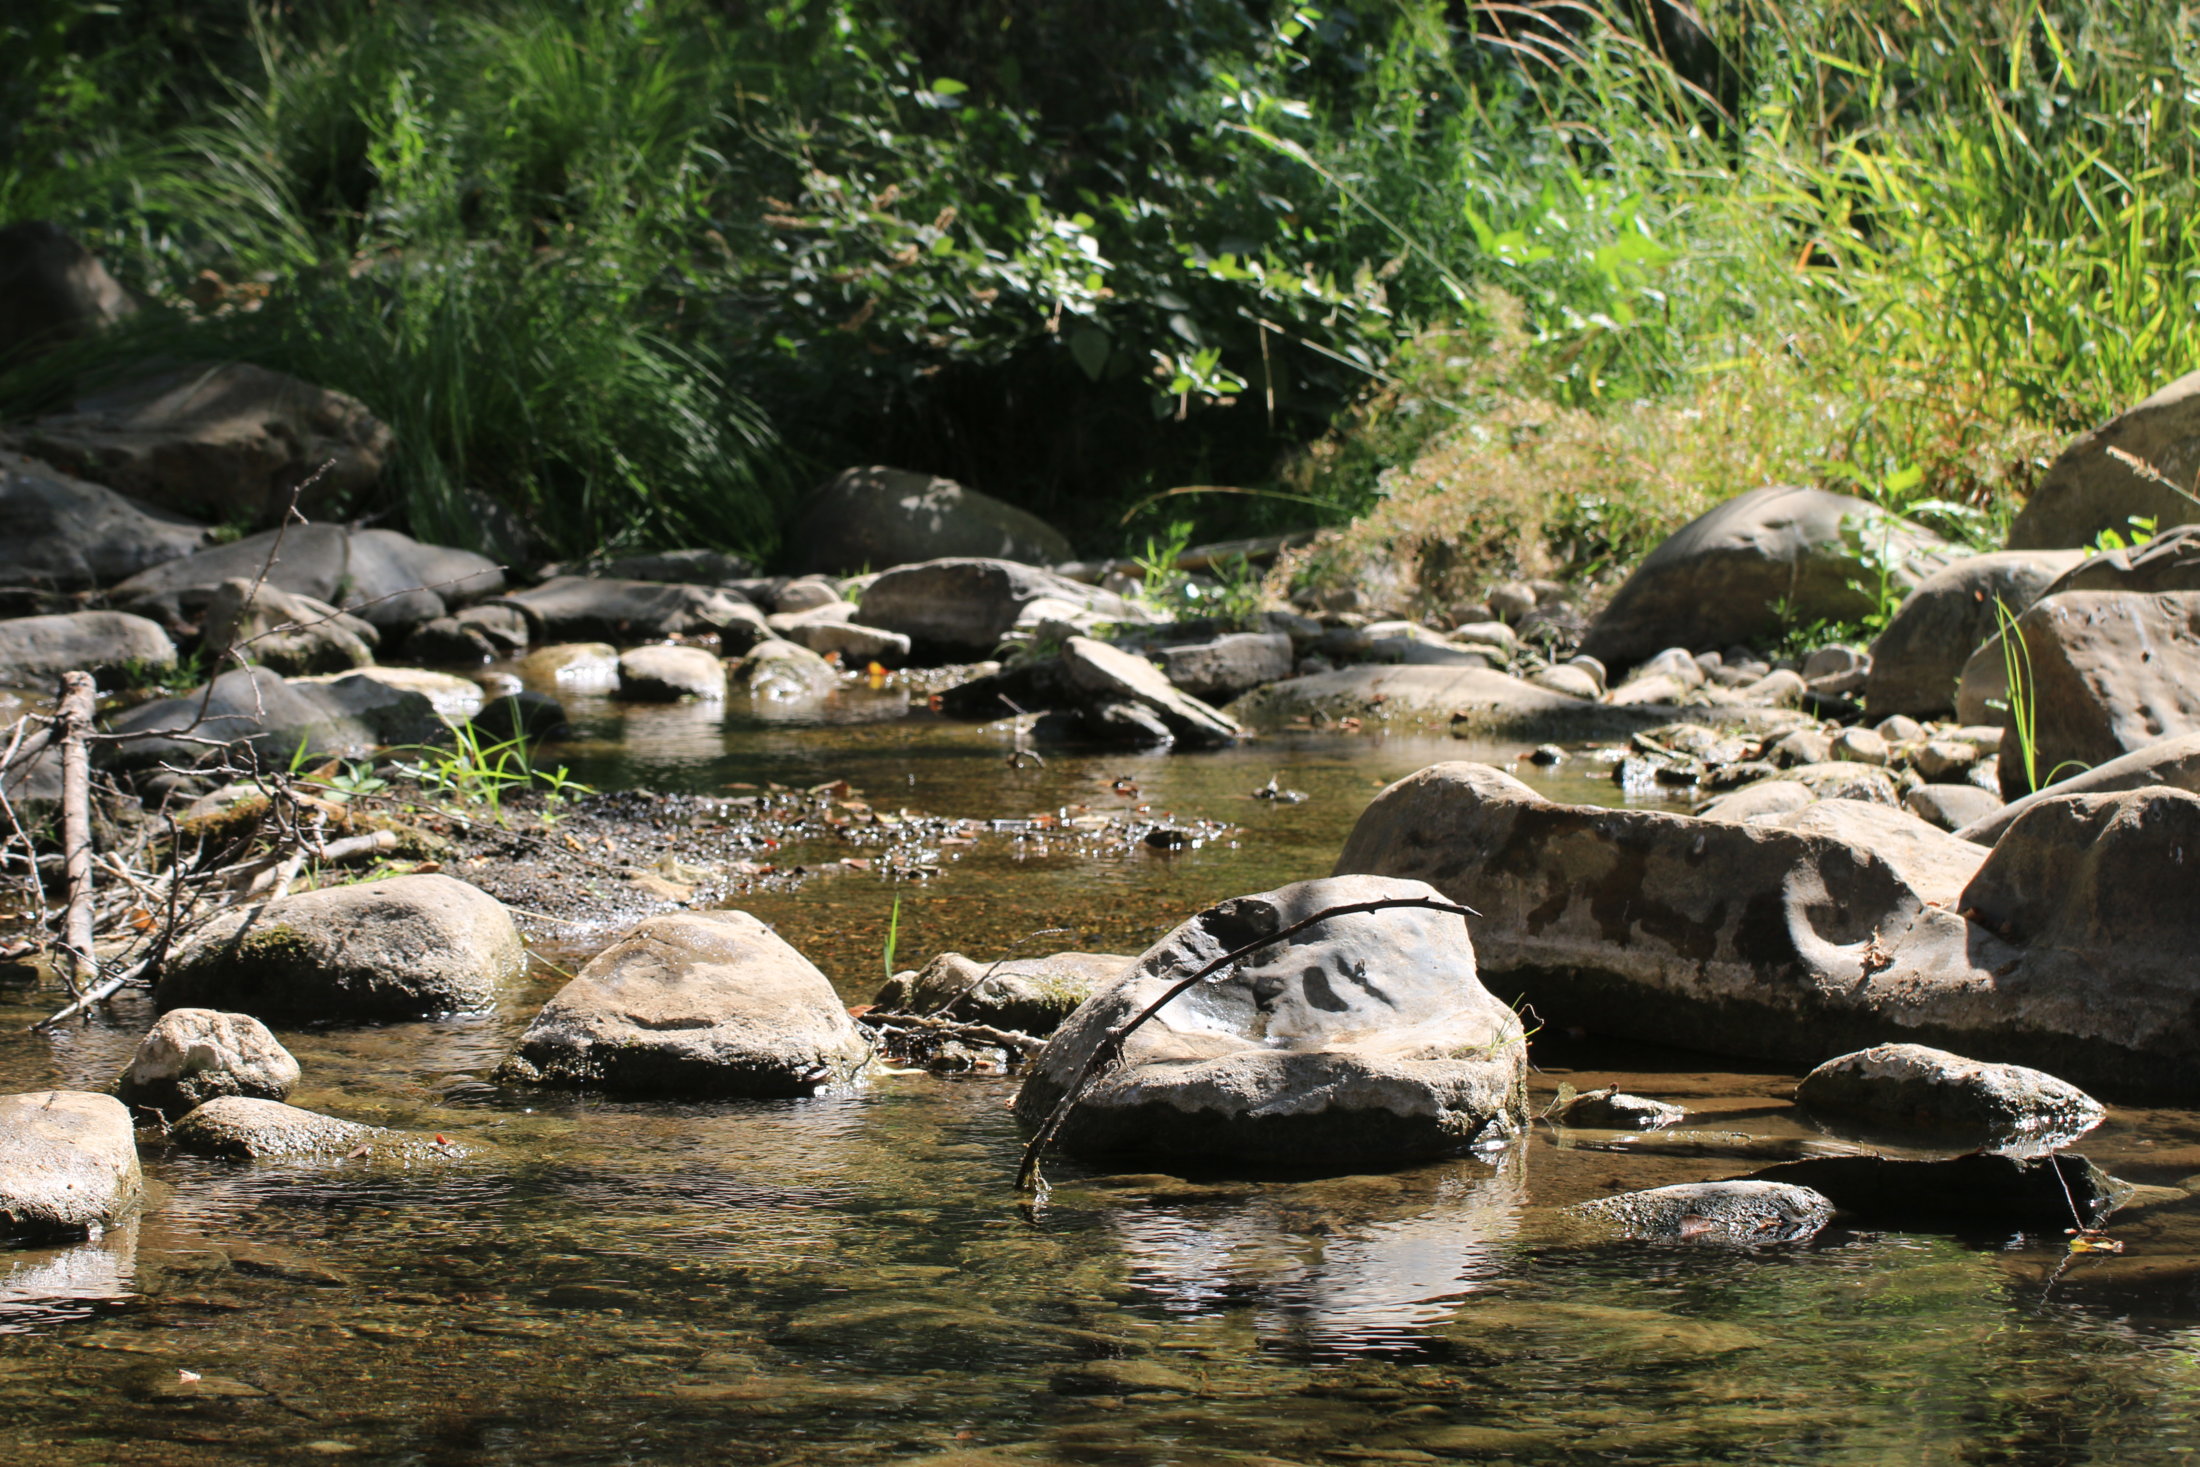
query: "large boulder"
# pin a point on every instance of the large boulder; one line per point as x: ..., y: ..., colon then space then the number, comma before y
x: 1228, y: 665
x: 2068, y: 949
x: 2174, y: 762
x: 2168, y: 562
x: 191, y: 1056
x: 1918, y: 660
x: 410, y: 947
x: 62, y: 533
x: 391, y: 581
x: 875, y: 518
x: 256, y: 708
x: 693, y: 1004
x: 293, y: 634
x: 1917, y: 1086
x: 2109, y: 672
x: 1028, y: 995
x: 2089, y: 489
x: 587, y: 609
x: 34, y: 650
x: 1109, y: 675
x: 693, y: 567
x: 68, y: 1164
x: 52, y: 290
x: 225, y: 440
x: 1728, y: 575
x: 957, y: 609
x: 1366, y: 1038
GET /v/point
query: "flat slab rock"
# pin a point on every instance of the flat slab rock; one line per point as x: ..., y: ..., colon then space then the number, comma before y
x: 68, y: 1164
x: 1719, y: 1212
x: 693, y: 1003
x: 1917, y: 1086
x: 1367, y: 1037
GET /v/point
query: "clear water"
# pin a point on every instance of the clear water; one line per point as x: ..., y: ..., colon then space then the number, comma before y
x: 852, y: 1279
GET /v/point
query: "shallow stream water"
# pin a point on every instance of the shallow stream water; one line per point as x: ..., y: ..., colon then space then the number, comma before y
x: 852, y: 1278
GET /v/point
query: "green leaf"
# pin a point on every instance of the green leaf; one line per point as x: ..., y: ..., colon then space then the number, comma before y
x: 1091, y: 346
x: 947, y: 86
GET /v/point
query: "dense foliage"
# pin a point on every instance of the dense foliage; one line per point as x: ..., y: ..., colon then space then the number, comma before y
x: 641, y: 271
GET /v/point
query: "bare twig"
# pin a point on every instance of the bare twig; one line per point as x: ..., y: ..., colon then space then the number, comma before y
x: 73, y: 722
x: 1111, y: 1046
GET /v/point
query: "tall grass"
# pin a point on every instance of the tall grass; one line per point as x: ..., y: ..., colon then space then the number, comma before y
x: 568, y: 247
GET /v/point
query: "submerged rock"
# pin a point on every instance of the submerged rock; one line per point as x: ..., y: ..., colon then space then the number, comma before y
x: 191, y: 1056
x: 693, y: 1003
x: 68, y: 1164
x: 1612, y: 1110
x: 410, y: 947
x: 247, y: 1129
x: 1366, y: 1038
x: 1931, y: 1089
x: 1717, y: 1212
x: 1029, y: 995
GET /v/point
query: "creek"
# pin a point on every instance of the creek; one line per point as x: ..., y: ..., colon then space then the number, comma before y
x: 852, y: 1278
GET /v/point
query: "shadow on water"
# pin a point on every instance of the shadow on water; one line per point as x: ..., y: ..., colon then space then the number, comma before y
x: 850, y: 1279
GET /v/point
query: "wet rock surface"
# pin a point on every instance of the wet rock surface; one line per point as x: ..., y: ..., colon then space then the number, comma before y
x: 1614, y: 1110
x: 1931, y: 1089
x: 405, y: 948
x: 1750, y: 1212
x: 1367, y: 1036
x: 699, y: 1004
x: 246, y: 1129
x: 2043, y: 1194
x: 191, y: 1056
x: 1029, y: 995
x: 68, y: 1164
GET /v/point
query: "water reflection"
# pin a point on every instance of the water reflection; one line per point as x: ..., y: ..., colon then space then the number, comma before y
x: 44, y: 1287
x: 1348, y: 1265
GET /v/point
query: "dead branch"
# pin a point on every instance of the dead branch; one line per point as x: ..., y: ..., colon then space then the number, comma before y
x: 73, y: 720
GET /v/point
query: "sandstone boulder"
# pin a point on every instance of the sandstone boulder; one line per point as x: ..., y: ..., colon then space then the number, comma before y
x: 68, y: 1164
x: 1029, y: 995
x: 2168, y: 562
x: 1367, y: 1037
x: 2068, y: 948
x: 410, y: 947
x: 293, y: 634
x: 226, y: 440
x: 52, y: 291
x: 666, y: 674
x: 35, y: 650
x: 391, y: 581
x: 1918, y: 660
x: 2088, y: 489
x: 957, y: 609
x: 62, y: 533
x: 1228, y: 665
x: 255, y: 708
x: 1919, y: 1087
x: 2174, y: 762
x: 577, y: 608
x: 880, y: 517
x: 191, y: 1056
x: 2109, y: 672
x: 1110, y: 675
x: 693, y: 1004
x: 1717, y: 580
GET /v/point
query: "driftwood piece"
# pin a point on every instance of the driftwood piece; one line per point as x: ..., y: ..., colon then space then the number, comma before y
x: 73, y: 723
